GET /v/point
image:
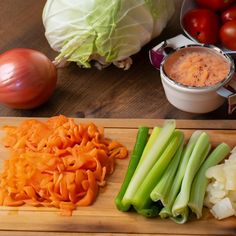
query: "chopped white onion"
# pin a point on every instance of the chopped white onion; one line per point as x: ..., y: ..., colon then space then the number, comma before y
x: 216, y: 172
x: 223, y: 209
x: 220, y: 195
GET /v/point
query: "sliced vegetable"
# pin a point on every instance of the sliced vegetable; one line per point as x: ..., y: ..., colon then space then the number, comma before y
x: 220, y: 195
x: 200, y: 182
x: 27, y: 78
x: 155, y: 133
x: 154, y: 154
x: 223, y: 209
x: 199, y: 153
x: 162, y: 189
x: 56, y: 163
x: 176, y: 185
x: 142, y: 198
x: 140, y: 143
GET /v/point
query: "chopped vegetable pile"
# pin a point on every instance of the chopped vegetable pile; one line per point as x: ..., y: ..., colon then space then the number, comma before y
x: 166, y: 177
x: 221, y: 191
x: 56, y: 163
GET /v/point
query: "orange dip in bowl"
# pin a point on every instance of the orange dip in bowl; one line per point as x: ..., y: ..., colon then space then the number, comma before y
x: 197, y: 67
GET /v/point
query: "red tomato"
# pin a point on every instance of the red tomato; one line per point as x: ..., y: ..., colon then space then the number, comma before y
x: 228, y: 35
x: 27, y: 78
x: 202, y: 24
x: 229, y: 14
x: 215, y: 5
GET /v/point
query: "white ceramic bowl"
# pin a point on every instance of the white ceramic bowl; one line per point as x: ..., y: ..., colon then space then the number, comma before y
x: 195, y: 99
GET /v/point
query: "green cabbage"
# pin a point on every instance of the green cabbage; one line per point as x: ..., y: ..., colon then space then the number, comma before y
x: 106, y: 31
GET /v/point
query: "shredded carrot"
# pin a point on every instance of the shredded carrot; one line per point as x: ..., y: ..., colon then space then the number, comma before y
x: 56, y: 163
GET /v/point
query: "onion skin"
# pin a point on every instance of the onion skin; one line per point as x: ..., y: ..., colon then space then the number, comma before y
x: 27, y: 78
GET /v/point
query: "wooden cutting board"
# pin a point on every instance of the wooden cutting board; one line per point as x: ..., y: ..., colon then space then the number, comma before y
x: 103, y: 217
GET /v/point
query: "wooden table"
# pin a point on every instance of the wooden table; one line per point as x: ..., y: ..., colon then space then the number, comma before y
x: 102, y: 217
x: 110, y: 93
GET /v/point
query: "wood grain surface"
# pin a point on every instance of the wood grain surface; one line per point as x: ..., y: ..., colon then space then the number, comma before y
x: 102, y: 218
x: 110, y: 93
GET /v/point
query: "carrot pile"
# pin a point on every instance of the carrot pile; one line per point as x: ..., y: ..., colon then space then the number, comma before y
x: 56, y: 163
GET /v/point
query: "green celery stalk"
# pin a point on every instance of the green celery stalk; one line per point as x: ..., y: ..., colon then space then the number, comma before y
x: 181, y: 218
x: 175, y: 188
x: 200, y: 182
x: 162, y: 189
x: 165, y: 212
x: 152, y: 210
x: 182, y: 215
x: 142, y: 198
x: 199, y: 153
x: 155, y: 132
x: 140, y: 143
x: 153, y: 155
